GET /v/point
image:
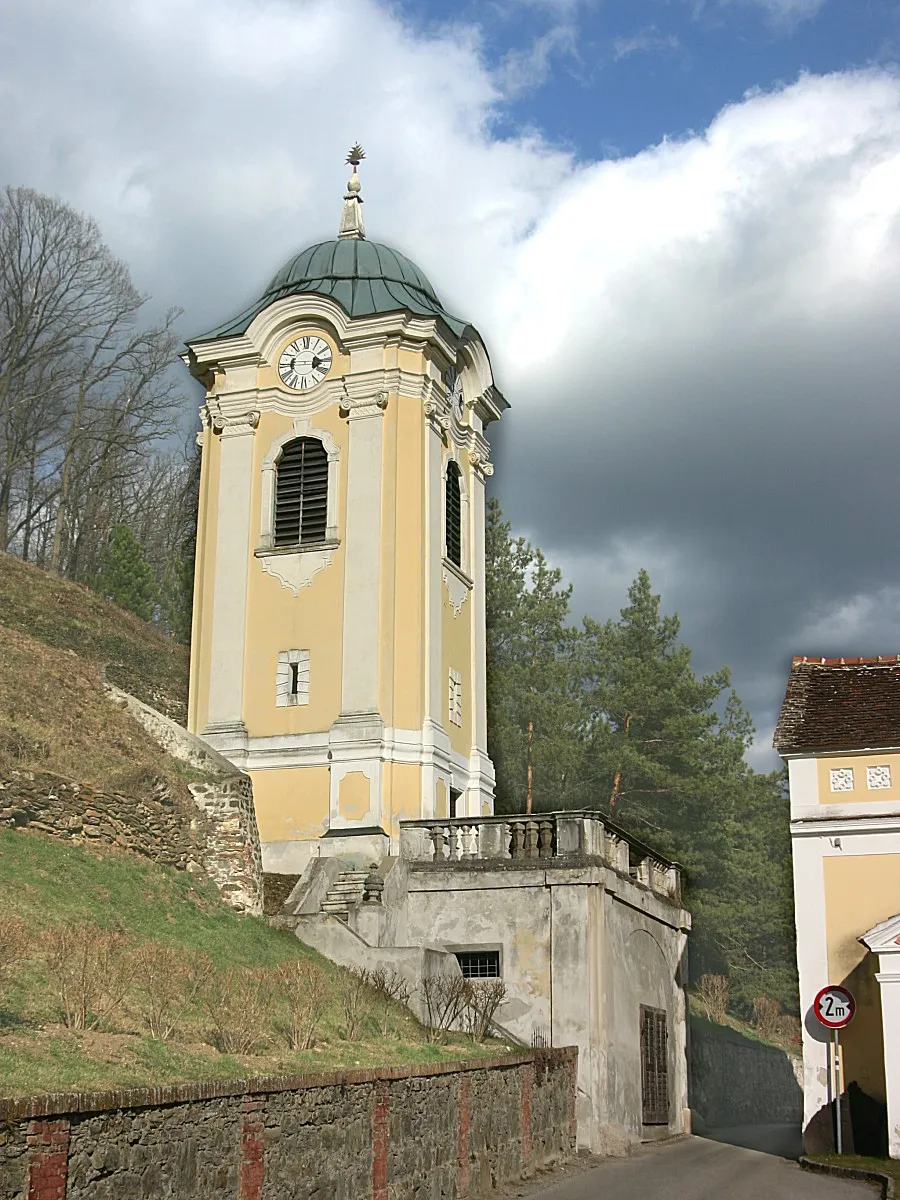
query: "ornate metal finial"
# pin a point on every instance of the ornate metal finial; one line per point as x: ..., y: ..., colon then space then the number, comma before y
x: 352, y: 226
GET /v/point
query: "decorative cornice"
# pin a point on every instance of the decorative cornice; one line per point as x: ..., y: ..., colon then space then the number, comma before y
x: 437, y: 413
x: 228, y: 424
x: 354, y: 407
x: 480, y: 463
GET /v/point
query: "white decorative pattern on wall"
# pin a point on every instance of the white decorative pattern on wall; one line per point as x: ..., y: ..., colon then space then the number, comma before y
x: 878, y: 777
x: 292, y: 678
x: 842, y: 779
x: 455, y: 697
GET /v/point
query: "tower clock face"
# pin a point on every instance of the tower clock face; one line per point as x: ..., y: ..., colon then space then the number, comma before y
x: 305, y: 362
x: 455, y: 395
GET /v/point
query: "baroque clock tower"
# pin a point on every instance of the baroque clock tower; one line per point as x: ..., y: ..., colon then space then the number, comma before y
x: 338, y: 643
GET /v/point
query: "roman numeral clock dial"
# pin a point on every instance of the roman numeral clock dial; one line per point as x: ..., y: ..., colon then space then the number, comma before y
x: 304, y: 363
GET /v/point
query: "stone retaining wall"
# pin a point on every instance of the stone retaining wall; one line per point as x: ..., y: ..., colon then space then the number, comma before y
x: 458, y: 1129
x: 737, y: 1081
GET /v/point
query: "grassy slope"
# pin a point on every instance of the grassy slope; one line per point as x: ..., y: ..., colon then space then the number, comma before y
x: 56, y: 641
x: 737, y: 1030
x: 48, y: 882
x: 66, y: 616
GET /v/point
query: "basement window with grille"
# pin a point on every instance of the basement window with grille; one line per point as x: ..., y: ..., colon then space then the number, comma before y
x: 654, y: 1067
x: 301, y: 493
x: 453, y: 515
x: 479, y: 964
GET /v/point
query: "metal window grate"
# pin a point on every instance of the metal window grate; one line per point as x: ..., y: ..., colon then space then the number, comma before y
x: 479, y: 964
x: 654, y: 1067
x: 301, y: 493
x: 453, y: 518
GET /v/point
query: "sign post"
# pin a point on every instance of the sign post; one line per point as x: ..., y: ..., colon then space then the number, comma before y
x: 834, y: 1007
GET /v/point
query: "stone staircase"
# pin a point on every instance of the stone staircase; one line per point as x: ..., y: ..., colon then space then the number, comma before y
x: 345, y: 893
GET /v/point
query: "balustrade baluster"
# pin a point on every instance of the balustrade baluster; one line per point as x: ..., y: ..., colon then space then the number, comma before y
x: 531, y: 839
x: 545, y: 848
x: 517, y: 842
x: 451, y: 843
x: 437, y: 841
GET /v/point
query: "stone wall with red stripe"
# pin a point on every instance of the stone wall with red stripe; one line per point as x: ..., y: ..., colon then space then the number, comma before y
x: 458, y: 1129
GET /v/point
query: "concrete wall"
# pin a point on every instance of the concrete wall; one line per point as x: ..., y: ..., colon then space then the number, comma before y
x: 737, y: 1081
x: 447, y: 1130
x: 581, y: 949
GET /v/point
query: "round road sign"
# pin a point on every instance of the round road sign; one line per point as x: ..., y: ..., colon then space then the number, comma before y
x: 834, y: 1007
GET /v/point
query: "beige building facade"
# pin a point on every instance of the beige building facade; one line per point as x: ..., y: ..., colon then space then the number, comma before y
x: 338, y: 644
x: 839, y: 732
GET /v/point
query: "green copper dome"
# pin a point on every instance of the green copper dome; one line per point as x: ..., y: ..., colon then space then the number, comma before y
x: 363, y: 277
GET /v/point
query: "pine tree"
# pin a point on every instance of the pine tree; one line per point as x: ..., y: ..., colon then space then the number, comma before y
x: 125, y: 575
x: 533, y: 711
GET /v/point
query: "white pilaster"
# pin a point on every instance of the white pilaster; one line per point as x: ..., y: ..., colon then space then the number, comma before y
x: 225, y: 725
x: 435, y: 741
x: 362, y: 558
x: 889, y: 982
x: 481, y: 769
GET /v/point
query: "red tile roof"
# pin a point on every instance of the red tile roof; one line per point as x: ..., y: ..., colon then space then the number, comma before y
x: 840, y: 704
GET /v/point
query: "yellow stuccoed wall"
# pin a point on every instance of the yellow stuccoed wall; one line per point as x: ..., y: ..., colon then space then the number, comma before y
x: 860, y: 891
x: 278, y: 620
x: 402, y: 792
x: 861, y: 792
x: 291, y: 804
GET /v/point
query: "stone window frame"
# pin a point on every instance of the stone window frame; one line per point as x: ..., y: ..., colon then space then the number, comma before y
x: 284, y: 697
x: 455, y: 697
x: 301, y: 429
x: 463, y: 567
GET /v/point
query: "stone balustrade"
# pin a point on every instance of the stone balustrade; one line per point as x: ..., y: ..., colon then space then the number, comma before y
x: 543, y: 839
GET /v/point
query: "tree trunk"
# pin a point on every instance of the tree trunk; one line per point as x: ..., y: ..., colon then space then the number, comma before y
x: 618, y: 778
x: 529, y: 769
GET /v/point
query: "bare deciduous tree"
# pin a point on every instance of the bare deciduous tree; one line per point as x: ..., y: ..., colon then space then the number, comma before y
x: 87, y: 396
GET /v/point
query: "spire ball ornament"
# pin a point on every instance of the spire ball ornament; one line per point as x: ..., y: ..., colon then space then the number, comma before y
x: 352, y: 226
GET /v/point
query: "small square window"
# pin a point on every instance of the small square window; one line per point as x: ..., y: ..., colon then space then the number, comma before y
x: 455, y: 697
x: 479, y: 964
x: 878, y: 777
x: 292, y: 678
x: 842, y: 779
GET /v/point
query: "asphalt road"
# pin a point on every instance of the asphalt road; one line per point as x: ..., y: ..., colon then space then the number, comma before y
x: 700, y: 1169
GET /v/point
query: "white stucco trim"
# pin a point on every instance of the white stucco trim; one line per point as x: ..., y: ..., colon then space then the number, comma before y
x: 812, y: 969
x: 226, y: 676
x: 855, y: 811
x: 362, y: 560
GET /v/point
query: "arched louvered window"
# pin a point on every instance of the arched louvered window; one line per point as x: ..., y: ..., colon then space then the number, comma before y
x: 301, y: 493
x: 452, y: 509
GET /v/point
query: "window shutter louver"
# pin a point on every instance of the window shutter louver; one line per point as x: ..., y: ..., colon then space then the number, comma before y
x: 301, y: 493
x: 453, y: 532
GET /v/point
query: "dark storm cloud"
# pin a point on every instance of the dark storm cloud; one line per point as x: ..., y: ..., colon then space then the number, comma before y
x: 699, y: 342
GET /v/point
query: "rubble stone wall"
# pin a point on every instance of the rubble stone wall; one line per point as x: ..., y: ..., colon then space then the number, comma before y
x: 459, y: 1129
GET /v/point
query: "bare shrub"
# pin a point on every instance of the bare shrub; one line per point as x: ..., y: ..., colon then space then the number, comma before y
x: 356, y: 1002
x: 13, y: 943
x: 167, y: 982
x: 484, y: 998
x: 304, y: 989
x: 89, y: 969
x: 766, y: 1016
x: 446, y: 998
x: 235, y: 1002
x: 390, y: 988
x: 713, y: 991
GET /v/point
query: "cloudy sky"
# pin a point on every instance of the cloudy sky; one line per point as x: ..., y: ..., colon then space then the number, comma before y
x: 675, y: 222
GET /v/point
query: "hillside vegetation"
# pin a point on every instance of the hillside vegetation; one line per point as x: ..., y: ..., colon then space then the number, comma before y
x: 238, y: 991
